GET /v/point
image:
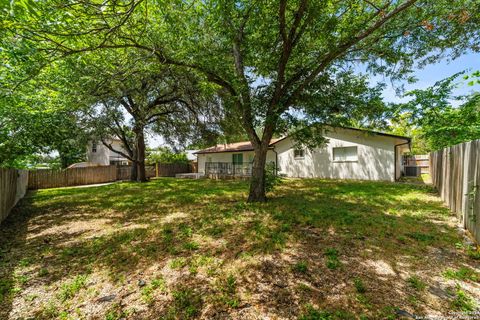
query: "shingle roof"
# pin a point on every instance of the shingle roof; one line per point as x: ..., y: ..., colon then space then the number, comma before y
x: 233, y: 147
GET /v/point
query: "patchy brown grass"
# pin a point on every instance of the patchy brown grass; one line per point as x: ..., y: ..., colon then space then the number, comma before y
x: 183, y: 249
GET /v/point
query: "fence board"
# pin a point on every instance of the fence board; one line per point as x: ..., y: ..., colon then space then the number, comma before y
x: 455, y: 173
x: 13, y: 185
x: 40, y: 179
x: 171, y: 169
x: 421, y: 161
x: 123, y: 172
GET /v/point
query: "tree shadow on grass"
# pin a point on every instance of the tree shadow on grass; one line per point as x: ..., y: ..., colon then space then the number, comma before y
x: 13, y: 234
x: 197, y: 233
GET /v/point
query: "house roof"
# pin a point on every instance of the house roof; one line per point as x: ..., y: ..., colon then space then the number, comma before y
x: 247, y: 145
x: 379, y: 133
x: 233, y: 147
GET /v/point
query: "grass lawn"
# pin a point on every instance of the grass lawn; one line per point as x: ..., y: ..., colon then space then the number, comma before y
x: 180, y: 249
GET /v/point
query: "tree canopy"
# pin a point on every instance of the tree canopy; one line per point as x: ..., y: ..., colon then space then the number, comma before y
x: 271, y: 62
x: 432, y: 118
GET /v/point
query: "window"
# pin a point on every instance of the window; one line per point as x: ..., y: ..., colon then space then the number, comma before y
x: 250, y: 158
x: 209, y: 159
x: 299, y: 153
x: 237, y: 158
x: 345, y: 154
x: 94, y: 146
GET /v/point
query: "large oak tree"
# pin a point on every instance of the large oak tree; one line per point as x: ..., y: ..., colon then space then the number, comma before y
x: 266, y: 57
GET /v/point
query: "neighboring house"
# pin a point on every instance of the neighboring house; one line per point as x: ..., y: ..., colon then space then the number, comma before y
x: 99, y: 154
x: 349, y: 154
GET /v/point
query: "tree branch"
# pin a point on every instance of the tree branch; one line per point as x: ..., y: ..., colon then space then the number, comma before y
x: 109, y: 146
x: 342, y: 48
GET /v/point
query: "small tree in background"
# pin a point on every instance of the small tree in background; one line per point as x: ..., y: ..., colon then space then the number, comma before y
x: 165, y: 155
x: 435, y: 121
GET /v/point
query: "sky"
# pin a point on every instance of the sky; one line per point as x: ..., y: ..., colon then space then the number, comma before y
x: 427, y: 77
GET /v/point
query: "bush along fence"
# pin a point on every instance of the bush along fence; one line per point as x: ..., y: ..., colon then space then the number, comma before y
x: 456, y: 174
x: 13, y: 186
x: 46, y: 178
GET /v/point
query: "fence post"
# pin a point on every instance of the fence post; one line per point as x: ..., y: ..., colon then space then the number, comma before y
x: 156, y: 169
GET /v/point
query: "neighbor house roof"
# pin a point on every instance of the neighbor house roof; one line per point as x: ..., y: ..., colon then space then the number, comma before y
x: 247, y: 145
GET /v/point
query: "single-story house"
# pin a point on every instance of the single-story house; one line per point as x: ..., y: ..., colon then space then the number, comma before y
x: 350, y: 153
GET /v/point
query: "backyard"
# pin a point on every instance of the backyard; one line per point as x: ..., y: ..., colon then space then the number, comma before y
x: 180, y: 249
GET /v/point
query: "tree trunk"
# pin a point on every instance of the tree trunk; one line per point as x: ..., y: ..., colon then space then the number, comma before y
x: 63, y: 161
x: 133, y: 171
x: 140, y: 144
x: 257, y: 182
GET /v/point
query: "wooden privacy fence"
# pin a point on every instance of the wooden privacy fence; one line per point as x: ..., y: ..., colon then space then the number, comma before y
x: 171, y: 169
x: 40, y: 179
x: 13, y: 186
x: 123, y: 172
x: 420, y: 162
x: 455, y: 173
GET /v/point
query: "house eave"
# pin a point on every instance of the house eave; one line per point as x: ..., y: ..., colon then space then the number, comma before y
x: 228, y: 151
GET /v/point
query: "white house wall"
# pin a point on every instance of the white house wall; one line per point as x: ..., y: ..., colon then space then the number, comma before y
x: 99, y: 157
x: 103, y: 156
x: 376, y: 157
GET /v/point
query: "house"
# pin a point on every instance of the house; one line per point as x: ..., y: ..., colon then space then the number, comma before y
x: 98, y: 153
x: 350, y: 153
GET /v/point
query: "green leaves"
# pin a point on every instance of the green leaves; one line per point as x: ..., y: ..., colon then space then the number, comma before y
x: 436, y: 121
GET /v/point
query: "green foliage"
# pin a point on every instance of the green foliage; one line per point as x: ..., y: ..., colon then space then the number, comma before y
x: 312, y: 313
x: 473, y: 252
x: 70, y: 289
x: 165, y: 155
x: 332, y: 258
x: 416, y: 283
x: 463, y: 273
x: 434, y: 122
x: 29, y: 127
x: 473, y: 78
x: 228, y: 289
x: 462, y: 301
x: 300, y: 267
x: 420, y: 236
x: 401, y: 124
x: 149, y: 290
x: 272, y: 179
x: 186, y: 304
x: 272, y: 64
x: 116, y: 312
x: 359, y: 285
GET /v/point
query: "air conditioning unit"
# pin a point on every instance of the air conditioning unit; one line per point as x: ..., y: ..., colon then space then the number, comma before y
x: 411, y: 171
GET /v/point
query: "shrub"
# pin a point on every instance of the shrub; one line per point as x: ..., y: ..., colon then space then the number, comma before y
x: 332, y: 258
x: 165, y: 155
x: 300, y: 267
x: 416, y: 283
x: 359, y: 286
x: 272, y: 179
